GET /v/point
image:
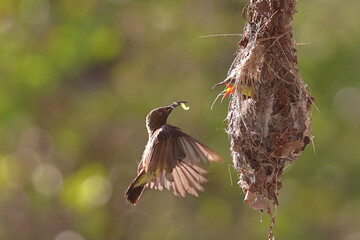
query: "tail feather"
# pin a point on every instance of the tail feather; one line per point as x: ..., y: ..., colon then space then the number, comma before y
x: 135, y: 189
x: 133, y: 194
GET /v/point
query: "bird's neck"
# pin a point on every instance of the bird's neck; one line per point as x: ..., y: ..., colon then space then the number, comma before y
x: 151, y: 129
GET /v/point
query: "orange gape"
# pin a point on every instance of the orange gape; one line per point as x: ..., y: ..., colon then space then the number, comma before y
x: 230, y: 89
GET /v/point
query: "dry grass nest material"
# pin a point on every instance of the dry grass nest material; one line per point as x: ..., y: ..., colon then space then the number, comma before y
x: 269, y: 129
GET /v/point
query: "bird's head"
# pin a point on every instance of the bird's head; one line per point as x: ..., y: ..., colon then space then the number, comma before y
x: 158, y: 116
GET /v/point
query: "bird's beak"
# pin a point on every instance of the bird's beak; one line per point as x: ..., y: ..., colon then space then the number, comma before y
x: 175, y: 104
x: 180, y: 103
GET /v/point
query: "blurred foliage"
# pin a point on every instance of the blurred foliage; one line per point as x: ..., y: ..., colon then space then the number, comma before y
x: 78, y: 78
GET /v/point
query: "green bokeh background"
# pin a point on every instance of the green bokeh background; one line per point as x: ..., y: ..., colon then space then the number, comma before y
x: 78, y: 78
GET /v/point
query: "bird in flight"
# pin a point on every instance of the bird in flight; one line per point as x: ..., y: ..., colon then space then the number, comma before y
x: 171, y: 158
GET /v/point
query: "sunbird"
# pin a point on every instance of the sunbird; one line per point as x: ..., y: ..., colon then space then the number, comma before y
x: 171, y: 158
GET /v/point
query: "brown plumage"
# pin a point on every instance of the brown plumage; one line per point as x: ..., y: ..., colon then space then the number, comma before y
x: 170, y: 159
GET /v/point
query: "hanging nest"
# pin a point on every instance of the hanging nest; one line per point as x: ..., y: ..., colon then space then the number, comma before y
x: 268, y: 117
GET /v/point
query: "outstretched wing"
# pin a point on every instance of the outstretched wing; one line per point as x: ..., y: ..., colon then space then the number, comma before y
x: 170, y: 145
x: 185, y: 178
x: 173, y: 157
x: 195, y: 151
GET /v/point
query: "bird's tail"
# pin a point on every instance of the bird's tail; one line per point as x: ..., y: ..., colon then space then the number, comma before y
x: 136, y: 188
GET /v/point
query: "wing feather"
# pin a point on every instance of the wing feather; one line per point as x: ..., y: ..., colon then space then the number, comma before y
x: 183, y: 178
x: 178, y: 182
x: 204, y: 153
x: 162, y: 155
x: 172, y: 157
x: 190, y: 184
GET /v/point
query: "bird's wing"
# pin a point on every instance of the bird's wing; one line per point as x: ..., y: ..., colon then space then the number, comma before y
x: 169, y: 145
x: 172, y: 156
x: 184, y: 178
x: 195, y: 151
x: 159, y: 153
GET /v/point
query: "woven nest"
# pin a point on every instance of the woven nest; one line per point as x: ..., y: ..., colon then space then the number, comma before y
x: 270, y: 127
